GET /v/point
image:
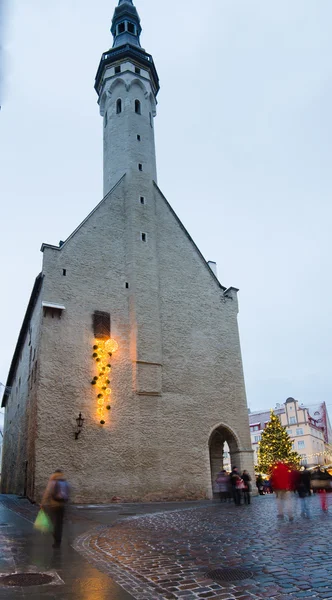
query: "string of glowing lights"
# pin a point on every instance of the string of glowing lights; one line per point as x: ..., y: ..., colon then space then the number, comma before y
x: 102, y: 354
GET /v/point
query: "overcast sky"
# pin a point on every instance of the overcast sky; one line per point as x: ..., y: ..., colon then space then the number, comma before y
x: 243, y: 138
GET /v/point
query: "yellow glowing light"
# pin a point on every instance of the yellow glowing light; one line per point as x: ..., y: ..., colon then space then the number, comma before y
x: 111, y: 345
x: 102, y: 352
x: 100, y: 383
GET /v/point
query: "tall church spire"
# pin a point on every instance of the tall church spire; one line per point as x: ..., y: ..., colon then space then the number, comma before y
x: 127, y: 85
x: 126, y: 28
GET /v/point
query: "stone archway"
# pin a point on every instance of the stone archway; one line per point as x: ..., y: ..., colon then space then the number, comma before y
x: 219, y: 437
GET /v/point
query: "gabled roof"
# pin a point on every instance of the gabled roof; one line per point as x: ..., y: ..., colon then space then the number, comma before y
x: 22, y: 335
x: 193, y: 243
x: 43, y: 246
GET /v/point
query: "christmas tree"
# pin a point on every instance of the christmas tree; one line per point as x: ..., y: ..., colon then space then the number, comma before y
x: 275, y: 445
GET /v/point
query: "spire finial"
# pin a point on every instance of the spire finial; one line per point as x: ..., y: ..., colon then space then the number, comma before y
x: 126, y: 27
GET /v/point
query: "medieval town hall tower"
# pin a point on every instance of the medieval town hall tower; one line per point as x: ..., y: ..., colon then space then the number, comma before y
x: 127, y: 372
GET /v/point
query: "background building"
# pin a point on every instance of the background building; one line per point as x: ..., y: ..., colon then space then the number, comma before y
x: 307, y: 433
x: 129, y: 326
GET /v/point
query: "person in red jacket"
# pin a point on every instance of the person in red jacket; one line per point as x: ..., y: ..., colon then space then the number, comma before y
x: 282, y: 481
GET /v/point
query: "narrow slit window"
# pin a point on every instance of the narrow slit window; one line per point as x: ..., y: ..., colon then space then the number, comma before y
x: 137, y: 70
x: 117, y: 69
x: 127, y: 285
x: 118, y: 106
x: 138, y: 138
x: 142, y: 200
x: 131, y: 28
x: 64, y: 272
x: 143, y: 237
x: 137, y: 107
x: 140, y: 167
x: 151, y: 122
x: 121, y: 28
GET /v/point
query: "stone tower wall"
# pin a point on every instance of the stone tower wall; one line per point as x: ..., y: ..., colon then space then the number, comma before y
x: 122, y: 150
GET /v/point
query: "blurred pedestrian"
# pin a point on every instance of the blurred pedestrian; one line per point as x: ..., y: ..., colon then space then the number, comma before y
x: 306, y: 479
x: 247, y: 486
x: 235, y: 481
x: 54, y: 502
x: 223, y: 484
x: 320, y: 481
x: 302, y: 490
x: 260, y: 484
x: 281, y: 481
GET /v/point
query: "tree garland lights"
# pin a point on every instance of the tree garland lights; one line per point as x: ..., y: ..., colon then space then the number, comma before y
x: 102, y: 353
x: 275, y: 445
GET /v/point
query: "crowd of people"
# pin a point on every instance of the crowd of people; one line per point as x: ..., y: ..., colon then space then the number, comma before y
x: 234, y: 486
x: 284, y: 481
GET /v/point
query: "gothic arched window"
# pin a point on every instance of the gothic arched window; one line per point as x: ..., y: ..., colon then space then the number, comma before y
x: 118, y: 106
x: 137, y: 107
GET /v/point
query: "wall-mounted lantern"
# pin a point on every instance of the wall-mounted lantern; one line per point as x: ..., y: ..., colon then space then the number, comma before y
x: 79, y: 422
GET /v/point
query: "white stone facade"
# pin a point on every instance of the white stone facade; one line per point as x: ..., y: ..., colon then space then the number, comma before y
x: 178, y: 390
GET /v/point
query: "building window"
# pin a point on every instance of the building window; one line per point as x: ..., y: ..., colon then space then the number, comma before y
x: 299, y: 432
x: 118, y: 106
x: 137, y: 71
x: 101, y: 322
x: 127, y: 285
x: 117, y: 69
x: 143, y: 237
x: 64, y: 272
x: 131, y: 28
x: 140, y: 167
x: 137, y: 107
x: 142, y: 199
x: 290, y: 431
x: 138, y: 138
x: 301, y: 444
x: 257, y: 438
x: 292, y: 420
x: 151, y: 123
x: 121, y: 28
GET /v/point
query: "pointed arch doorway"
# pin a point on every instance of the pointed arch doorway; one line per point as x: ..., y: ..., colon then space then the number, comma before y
x: 222, y: 441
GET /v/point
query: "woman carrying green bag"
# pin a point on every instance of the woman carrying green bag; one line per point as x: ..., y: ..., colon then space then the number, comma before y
x: 54, y: 502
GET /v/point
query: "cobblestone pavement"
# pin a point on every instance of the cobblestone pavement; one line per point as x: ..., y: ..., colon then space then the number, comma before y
x: 167, y: 555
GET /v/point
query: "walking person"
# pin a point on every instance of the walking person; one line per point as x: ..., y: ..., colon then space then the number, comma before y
x: 259, y: 484
x: 54, y: 502
x: 303, y: 492
x: 247, y: 486
x: 235, y: 481
x: 223, y: 484
x: 306, y: 479
x: 281, y: 481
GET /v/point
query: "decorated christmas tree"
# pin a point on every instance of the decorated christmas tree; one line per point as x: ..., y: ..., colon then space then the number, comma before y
x: 275, y: 445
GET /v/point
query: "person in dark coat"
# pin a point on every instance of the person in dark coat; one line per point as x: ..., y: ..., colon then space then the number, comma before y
x: 260, y: 485
x: 247, y: 489
x: 306, y: 480
x: 234, y: 480
x: 303, y: 492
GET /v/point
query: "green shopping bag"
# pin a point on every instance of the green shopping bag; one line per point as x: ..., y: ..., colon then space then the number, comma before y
x: 43, y: 523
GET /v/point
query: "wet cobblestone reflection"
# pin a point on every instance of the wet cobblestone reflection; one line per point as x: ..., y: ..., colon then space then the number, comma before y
x: 168, y: 555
